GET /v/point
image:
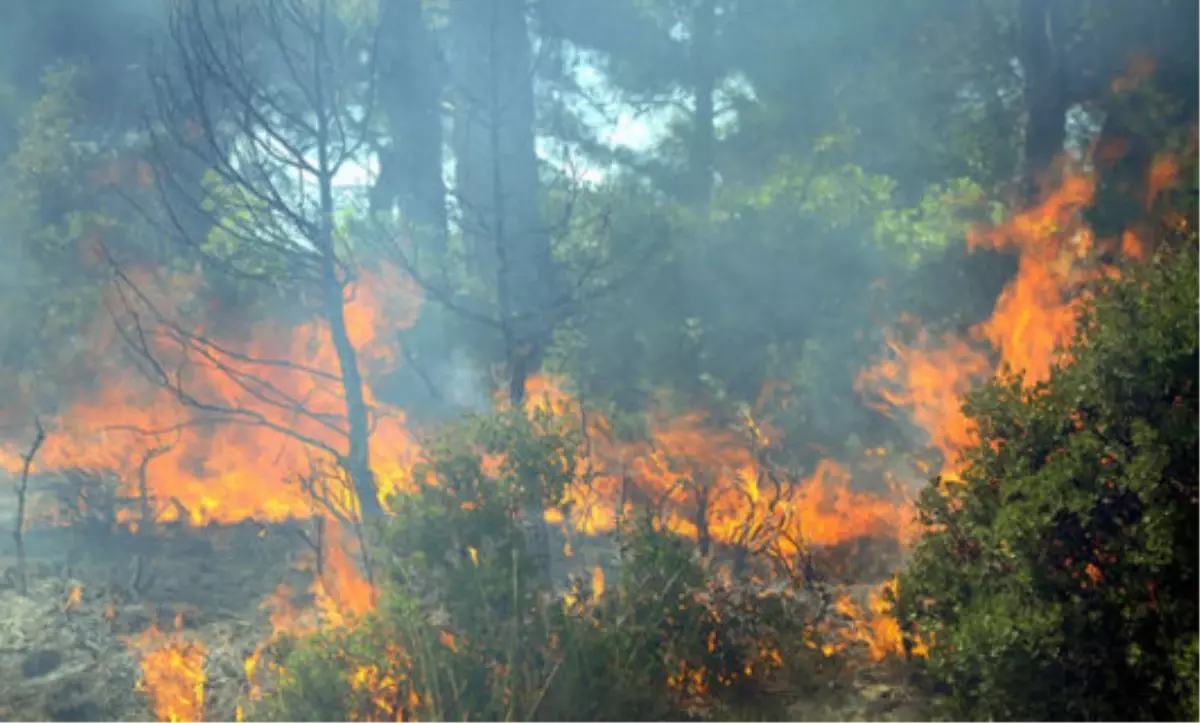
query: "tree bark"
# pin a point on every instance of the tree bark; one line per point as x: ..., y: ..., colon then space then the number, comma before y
x: 692, y: 271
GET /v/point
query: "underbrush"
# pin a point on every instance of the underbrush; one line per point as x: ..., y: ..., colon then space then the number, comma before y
x: 1057, y: 580
x: 466, y: 629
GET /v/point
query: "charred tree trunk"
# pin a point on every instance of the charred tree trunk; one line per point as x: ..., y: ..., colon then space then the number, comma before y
x: 691, y: 273
x: 358, y: 457
x: 497, y: 171
x: 269, y: 97
x: 703, y: 495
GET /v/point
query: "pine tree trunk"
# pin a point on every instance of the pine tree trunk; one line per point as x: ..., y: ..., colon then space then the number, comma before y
x: 498, y: 192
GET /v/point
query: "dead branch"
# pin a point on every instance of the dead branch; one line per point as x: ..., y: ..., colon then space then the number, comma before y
x: 316, y: 486
x: 138, y: 339
x: 147, y: 515
x: 22, y: 496
x: 316, y: 543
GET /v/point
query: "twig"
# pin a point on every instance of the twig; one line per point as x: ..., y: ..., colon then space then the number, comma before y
x: 22, y: 495
x: 147, y: 515
x: 326, y: 509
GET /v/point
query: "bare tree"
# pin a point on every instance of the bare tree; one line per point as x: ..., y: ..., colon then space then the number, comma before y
x: 275, y: 98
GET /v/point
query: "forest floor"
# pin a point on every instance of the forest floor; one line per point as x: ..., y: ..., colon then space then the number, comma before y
x: 65, y: 645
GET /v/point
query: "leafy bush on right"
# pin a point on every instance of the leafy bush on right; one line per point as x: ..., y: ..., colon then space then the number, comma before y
x: 1059, y: 578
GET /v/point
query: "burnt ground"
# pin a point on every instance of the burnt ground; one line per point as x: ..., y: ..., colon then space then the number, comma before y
x: 63, y: 659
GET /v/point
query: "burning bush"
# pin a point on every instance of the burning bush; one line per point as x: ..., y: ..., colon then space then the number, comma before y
x: 1059, y: 577
x: 466, y: 628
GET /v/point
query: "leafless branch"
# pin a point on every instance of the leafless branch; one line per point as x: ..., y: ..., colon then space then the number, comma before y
x: 22, y: 498
x: 237, y: 96
x: 139, y: 337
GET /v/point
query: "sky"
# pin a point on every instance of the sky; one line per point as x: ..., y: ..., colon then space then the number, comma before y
x: 632, y: 130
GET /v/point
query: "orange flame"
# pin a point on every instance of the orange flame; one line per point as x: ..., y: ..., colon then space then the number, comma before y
x: 710, y: 481
x: 1033, y: 320
x: 1031, y: 324
x: 173, y: 675
x: 263, y: 462
x: 285, y: 383
x: 340, y: 595
x: 597, y: 583
x: 877, y: 628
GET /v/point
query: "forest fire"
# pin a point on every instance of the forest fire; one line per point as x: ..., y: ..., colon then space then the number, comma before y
x: 279, y: 391
x: 467, y: 360
x: 262, y: 414
x: 712, y: 483
x: 1033, y: 320
x: 280, y: 401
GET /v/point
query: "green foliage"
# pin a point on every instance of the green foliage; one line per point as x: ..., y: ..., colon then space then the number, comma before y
x: 47, y: 208
x: 463, y: 632
x: 853, y: 143
x: 670, y: 642
x: 46, y: 146
x: 943, y: 216
x: 1059, y: 580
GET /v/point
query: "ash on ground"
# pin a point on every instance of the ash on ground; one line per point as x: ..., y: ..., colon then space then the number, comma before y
x: 61, y: 661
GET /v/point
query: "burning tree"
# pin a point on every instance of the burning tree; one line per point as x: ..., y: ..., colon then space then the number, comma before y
x: 1059, y: 577
x: 274, y: 99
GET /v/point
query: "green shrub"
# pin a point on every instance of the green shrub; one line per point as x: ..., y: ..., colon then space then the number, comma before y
x: 465, y: 630
x: 1059, y: 580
